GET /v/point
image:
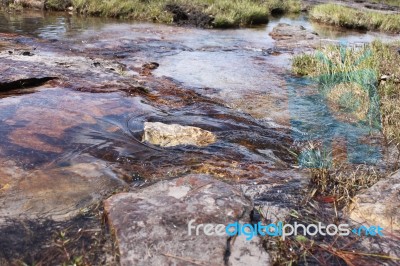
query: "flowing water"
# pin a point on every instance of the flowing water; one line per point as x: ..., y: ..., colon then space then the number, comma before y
x: 236, y: 90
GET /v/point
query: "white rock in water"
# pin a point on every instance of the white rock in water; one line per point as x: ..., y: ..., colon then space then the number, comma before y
x: 164, y: 135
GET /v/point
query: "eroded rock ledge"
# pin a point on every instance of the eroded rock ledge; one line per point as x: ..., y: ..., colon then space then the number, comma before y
x: 151, y: 225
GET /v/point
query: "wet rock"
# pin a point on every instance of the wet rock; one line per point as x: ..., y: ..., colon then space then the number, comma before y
x: 27, y: 53
x: 75, y: 72
x: 24, y: 83
x: 148, y: 67
x: 379, y: 205
x: 269, y: 154
x: 276, y: 193
x: 172, y: 135
x: 57, y: 193
x: 151, y: 225
x: 151, y: 65
x: 288, y: 31
x: 271, y: 51
x: 293, y: 36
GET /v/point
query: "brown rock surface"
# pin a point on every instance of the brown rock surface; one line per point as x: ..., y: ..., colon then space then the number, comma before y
x: 151, y: 225
x: 56, y: 193
x: 379, y: 205
x: 293, y: 36
x: 172, y: 135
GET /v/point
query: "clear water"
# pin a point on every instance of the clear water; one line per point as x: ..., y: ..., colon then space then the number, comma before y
x: 225, y: 65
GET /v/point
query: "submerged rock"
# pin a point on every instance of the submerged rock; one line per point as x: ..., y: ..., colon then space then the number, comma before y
x: 151, y: 225
x: 172, y: 135
x: 379, y: 205
x: 54, y: 193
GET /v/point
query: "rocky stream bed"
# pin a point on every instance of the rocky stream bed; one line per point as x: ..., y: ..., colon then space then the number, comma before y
x: 93, y: 118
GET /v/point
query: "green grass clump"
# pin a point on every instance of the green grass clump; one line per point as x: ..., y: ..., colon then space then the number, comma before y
x: 381, y: 59
x: 236, y: 13
x: 135, y: 9
x: 304, y: 65
x: 346, y: 17
x: 330, y: 178
x: 379, y: 56
x: 226, y: 13
x: 57, y: 4
x: 223, y: 13
x: 279, y: 6
x: 387, y: 2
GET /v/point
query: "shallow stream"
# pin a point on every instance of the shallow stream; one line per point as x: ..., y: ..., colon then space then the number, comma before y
x: 239, y: 91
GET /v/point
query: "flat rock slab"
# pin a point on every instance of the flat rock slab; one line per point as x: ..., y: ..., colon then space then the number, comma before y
x: 294, y: 36
x: 172, y: 135
x: 54, y: 193
x: 277, y: 193
x: 379, y: 205
x: 72, y: 71
x: 151, y: 225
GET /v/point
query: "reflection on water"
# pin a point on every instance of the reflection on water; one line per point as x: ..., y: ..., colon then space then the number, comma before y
x: 335, y: 33
x: 48, y: 25
x: 54, y: 25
